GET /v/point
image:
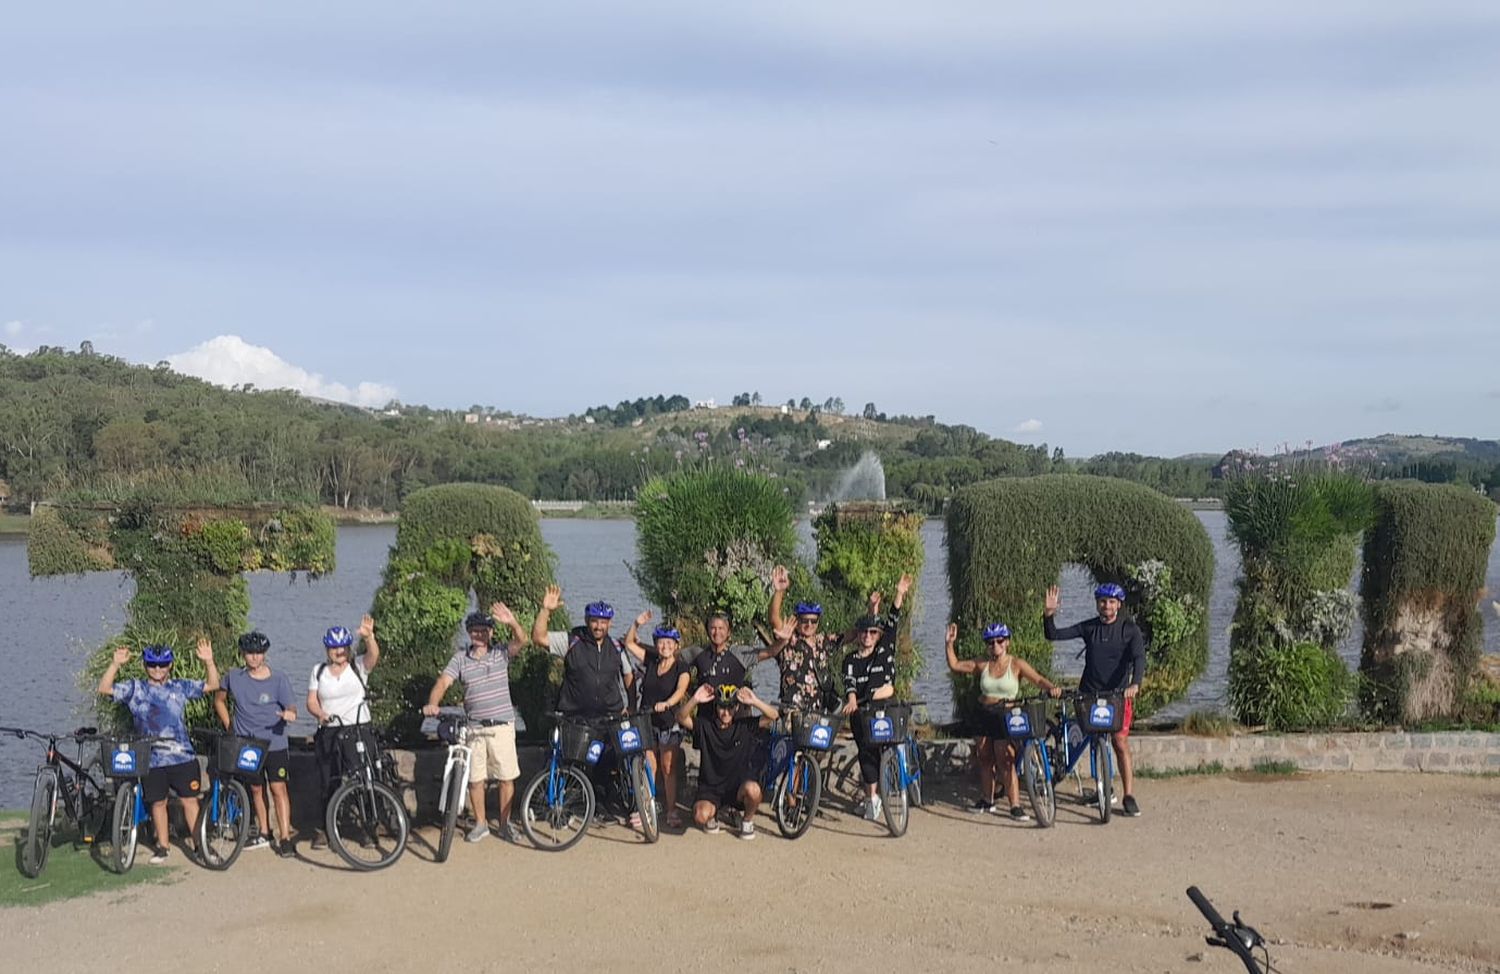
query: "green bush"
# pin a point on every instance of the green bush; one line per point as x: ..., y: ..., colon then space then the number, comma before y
x: 864, y: 548
x: 1424, y: 566
x: 452, y: 541
x: 1302, y: 686
x: 708, y: 539
x: 1297, y: 536
x: 56, y: 547
x: 1009, y: 539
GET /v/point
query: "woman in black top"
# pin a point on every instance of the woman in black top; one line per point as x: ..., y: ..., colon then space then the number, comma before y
x: 663, y: 686
x: 869, y: 675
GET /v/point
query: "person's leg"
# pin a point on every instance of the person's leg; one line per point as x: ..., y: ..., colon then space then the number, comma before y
x: 750, y: 796
x: 1005, y: 754
x: 281, y: 799
x: 506, y: 764
x: 671, y: 762
x: 480, y: 769
x: 159, y: 822
x: 705, y: 815
x: 190, y: 816
x: 984, y: 760
x: 1122, y: 753
x: 262, y: 815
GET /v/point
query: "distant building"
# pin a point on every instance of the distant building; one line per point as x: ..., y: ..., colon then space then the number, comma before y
x: 471, y: 418
x: 705, y: 404
x: 824, y: 444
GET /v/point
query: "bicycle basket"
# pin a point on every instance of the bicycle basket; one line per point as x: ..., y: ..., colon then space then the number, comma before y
x: 815, y: 731
x: 633, y: 734
x: 885, y: 724
x: 1024, y: 720
x: 124, y: 758
x: 1102, y: 713
x: 579, y: 741
x: 240, y: 755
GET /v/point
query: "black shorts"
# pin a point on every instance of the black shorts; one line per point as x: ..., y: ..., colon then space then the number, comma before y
x: 723, y: 797
x: 185, y: 780
x: 276, y: 767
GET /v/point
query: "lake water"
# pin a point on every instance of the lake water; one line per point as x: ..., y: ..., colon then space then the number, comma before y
x: 49, y: 625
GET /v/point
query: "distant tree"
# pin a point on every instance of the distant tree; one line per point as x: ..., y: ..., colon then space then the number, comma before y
x: 806, y: 403
x: 755, y: 398
x: 870, y: 412
x: 791, y: 404
x: 741, y: 399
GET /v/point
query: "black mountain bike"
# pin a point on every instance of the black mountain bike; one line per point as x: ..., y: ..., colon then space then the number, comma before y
x: 366, y: 822
x: 1238, y: 938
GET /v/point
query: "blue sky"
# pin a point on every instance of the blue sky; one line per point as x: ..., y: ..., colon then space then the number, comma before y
x: 1165, y: 227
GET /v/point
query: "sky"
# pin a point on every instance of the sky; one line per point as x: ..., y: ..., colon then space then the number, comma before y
x: 1166, y: 227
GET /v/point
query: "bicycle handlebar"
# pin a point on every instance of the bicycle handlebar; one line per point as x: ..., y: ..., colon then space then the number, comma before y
x: 1235, y: 937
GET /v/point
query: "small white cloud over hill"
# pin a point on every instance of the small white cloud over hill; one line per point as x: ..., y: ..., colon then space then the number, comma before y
x: 229, y: 360
x: 1029, y: 426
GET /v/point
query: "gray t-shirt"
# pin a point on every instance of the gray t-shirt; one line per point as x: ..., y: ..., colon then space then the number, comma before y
x: 486, y: 683
x: 258, y: 705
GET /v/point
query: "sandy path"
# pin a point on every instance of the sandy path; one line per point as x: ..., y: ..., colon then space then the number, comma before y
x: 957, y: 893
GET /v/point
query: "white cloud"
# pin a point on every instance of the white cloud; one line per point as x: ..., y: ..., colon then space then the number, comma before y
x: 1029, y: 426
x: 229, y: 360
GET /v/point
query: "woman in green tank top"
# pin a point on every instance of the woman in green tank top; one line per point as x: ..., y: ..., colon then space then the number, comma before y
x: 1000, y: 675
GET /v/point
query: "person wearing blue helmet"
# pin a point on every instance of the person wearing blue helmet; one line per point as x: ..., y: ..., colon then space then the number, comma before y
x: 158, y: 708
x: 1114, y: 661
x: 1000, y: 674
x: 337, y: 699
x: 596, y: 667
x: 664, y: 685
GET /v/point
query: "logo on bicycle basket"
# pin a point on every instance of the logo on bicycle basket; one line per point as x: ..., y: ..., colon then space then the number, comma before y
x: 123, y: 760
x: 250, y: 758
x: 821, y: 737
x: 596, y: 751
x: 630, y: 739
x: 1103, y: 715
x: 1017, y: 725
x: 882, y: 728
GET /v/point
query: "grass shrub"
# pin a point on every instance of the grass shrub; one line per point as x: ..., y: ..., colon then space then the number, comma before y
x: 1425, y: 560
x: 864, y: 548
x: 1208, y: 723
x: 1301, y: 686
x: 1008, y: 540
x: 707, y: 539
x: 453, y: 542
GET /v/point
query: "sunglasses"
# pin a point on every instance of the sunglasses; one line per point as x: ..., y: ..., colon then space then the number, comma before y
x: 158, y: 666
x: 997, y: 639
x: 809, y: 620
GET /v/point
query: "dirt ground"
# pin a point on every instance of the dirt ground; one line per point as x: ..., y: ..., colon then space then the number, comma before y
x: 1343, y: 873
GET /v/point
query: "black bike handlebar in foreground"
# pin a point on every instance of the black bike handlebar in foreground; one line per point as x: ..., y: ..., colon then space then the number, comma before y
x: 1236, y: 936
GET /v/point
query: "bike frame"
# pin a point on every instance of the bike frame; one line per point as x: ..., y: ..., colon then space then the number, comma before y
x: 459, y: 756
x: 71, y: 794
x: 1058, y: 730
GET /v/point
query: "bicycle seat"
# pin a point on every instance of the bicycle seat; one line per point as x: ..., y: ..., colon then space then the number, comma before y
x: 86, y: 732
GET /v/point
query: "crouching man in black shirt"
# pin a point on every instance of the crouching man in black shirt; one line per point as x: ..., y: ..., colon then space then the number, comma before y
x: 729, y: 752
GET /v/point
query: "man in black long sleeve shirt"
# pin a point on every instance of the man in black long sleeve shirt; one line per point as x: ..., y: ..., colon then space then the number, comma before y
x: 1114, y: 660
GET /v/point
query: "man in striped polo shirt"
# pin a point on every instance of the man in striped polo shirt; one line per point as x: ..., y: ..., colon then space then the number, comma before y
x: 484, y: 672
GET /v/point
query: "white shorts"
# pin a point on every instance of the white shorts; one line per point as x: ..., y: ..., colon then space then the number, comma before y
x: 492, y: 753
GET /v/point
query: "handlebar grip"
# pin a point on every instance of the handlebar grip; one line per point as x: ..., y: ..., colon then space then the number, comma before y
x: 1206, y: 908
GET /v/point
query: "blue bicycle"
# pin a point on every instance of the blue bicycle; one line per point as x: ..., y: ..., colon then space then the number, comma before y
x: 889, y: 725
x: 559, y: 801
x: 224, y: 815
x: 799, y: 778
x: 1050, y: 750
x: 126, y: 761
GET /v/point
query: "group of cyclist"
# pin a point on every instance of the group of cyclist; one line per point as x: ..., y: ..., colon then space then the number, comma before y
x: 604, y: 677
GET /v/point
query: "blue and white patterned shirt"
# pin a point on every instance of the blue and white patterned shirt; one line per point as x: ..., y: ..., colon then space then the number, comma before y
x: 160, y: 711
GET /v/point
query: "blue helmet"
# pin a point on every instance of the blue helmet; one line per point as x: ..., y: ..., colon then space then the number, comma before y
x: 666, y: 632
x: 809, y: 609
x: 157, y: 655
x: 598, y: 610
x: 338, y: 637
x: 1109, y: 590
x: 996, y: 630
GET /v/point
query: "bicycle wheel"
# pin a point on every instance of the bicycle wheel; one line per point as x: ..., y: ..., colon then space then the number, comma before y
x: 223, y: 824
x: 556, y: 808
x: 797, y: 794
x: 914, y: 771
x: 124, y: 830
x: 892, y: 793
x: 366, y: 824
x: 39, y: 827
x: 1038, y: 787
x: 1103, y: 775
x: 645, y: 802
x: 452, y: 804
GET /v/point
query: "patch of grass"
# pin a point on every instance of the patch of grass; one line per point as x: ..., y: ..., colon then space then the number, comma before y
x: 70, y: 872
x: 1208, y: 723
x: 1203, y: 768
x: 1269, y: 767
x: 14, y: 523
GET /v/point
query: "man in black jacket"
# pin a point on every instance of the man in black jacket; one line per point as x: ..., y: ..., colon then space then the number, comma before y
x: 1114, y: 660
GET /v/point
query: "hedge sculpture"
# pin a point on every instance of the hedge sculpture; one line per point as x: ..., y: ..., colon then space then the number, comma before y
x: 862, y: 548
x: 454, y: 541
x: 1424, y: 566
x: 1297, y: 536
x: 708, y: 540
x: 188, y: 564
x: 1008, y: 540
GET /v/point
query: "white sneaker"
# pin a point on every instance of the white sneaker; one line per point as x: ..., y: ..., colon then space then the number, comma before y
x: 256, y: 842
x: 747, y: 829
x: 872, y: 809
x: 478, y: 832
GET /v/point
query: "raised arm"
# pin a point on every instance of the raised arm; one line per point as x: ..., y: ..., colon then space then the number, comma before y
x: 551, y: 599
x: 689, y: 707
x: 780, y: 582
x: 106, y: 686
x: 501, y: 613
x: 902, y: 587
x: 1050, y: 629
x: 954, y: 663
x: 205, y: 653
x: 632, y: 644
x: 783, y: 639
x: 768, y: 713
x: 372, y: 648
